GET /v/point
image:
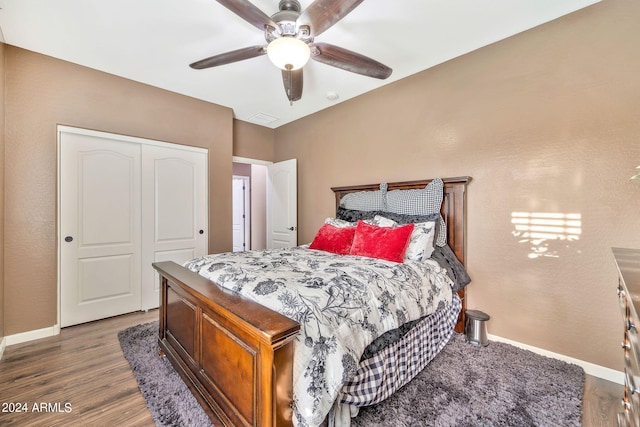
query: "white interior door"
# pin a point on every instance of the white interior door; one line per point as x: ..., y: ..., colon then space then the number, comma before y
x: 241, y: 216
x: 282, y: 205
x: 174, y: 211
x: 99, y: 227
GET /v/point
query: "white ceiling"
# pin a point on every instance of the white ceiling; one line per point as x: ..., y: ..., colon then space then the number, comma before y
x: 154, y: 41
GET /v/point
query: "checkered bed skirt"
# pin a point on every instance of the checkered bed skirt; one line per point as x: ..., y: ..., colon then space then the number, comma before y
x: 379, y: 376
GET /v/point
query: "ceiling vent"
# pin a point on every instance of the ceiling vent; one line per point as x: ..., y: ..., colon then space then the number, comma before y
x: 263, y: 119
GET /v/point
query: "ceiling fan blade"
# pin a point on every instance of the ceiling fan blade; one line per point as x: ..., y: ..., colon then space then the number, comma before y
x: 322, y: 14
x: 292, y: 84
x: 249, y: 12
x: 229, y: 57
x: 349, y: 61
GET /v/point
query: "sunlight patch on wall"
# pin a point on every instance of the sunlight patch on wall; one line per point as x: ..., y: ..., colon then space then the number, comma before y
x: 546, y: 232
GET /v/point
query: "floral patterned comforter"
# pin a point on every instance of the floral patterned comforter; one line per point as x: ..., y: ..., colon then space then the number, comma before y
x: 342, y: 303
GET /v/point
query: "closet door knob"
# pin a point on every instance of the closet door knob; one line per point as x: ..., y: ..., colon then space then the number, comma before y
x: 201, y: 231
x: 68, y: 239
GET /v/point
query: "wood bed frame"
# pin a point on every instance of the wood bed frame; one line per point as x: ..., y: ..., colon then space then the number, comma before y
x: 236, y: 355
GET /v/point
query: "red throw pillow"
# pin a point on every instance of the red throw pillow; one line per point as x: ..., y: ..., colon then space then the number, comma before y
x: 333, y: 239
x: 388, y: 243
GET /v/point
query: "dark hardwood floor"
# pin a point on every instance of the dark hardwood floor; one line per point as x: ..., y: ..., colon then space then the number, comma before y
x: 81, y: 378
x: 601, y: 402
x: 84, y: 367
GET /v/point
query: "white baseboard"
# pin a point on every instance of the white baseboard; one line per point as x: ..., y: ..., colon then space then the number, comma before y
x: 32, y: 335
x: 3, y: 344
x: 589, y: 368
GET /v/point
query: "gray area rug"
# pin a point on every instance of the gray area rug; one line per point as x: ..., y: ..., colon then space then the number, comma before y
x: 497, y: 385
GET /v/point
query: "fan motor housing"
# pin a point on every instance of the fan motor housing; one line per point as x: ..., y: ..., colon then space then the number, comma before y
x: 289, y: 5
x: 287, y: 17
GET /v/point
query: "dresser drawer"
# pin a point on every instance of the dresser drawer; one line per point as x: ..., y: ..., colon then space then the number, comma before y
x: 632, y: 371
x: 628, y: 264
x: 631, y: 327
x: 632, y: 380
x: 631, y: 347
x: 623, y: 419
x: 622, y: 300
x: 632, y: 405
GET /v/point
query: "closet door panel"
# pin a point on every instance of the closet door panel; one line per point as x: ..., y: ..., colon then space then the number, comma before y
x: 99, y: 228
x: 174, y: 208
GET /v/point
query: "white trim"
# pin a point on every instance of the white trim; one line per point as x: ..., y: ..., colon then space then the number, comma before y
x: 589, y: 368
x: 3, y: 345
x: 127, y: 138
x: 33, y: 335
x: 246, y: 160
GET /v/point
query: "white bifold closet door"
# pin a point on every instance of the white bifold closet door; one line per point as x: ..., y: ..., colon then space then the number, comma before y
x: 124, y: 203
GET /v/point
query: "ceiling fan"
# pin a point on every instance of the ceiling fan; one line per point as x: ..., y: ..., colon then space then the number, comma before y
x: 290, y: 36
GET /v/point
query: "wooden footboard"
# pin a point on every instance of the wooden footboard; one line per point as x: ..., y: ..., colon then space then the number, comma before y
x: 234, y: 354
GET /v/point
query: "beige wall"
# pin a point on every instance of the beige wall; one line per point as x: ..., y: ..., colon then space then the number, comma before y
x: 252, y: 141
x: 547, y: 121
x: 42, y: 92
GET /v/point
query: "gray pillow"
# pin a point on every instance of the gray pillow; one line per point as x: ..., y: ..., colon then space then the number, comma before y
x: 366, y: 200
x: 424, y: 201
x: 353, y: 215
x: 445, y: 256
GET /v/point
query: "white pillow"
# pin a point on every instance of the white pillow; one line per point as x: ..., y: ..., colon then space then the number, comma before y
x: 339, y: 223
x: 421, y: 244
x: 381, y: 221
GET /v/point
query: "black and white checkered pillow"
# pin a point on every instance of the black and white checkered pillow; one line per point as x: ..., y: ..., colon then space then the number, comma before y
x: 366, y: 200
x: 420, y: 202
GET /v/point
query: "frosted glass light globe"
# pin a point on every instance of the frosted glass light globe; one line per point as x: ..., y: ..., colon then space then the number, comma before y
x: 288, y: 53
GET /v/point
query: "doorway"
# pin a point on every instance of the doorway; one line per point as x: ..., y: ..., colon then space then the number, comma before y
x: 254, y: 201
x: 241, y: 218
x: 272, y: 202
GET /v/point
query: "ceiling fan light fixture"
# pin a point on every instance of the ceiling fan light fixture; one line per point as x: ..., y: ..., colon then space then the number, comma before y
x: 288, y: 53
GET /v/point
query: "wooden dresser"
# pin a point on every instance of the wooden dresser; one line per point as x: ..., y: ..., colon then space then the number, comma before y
x: 628, y: 263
